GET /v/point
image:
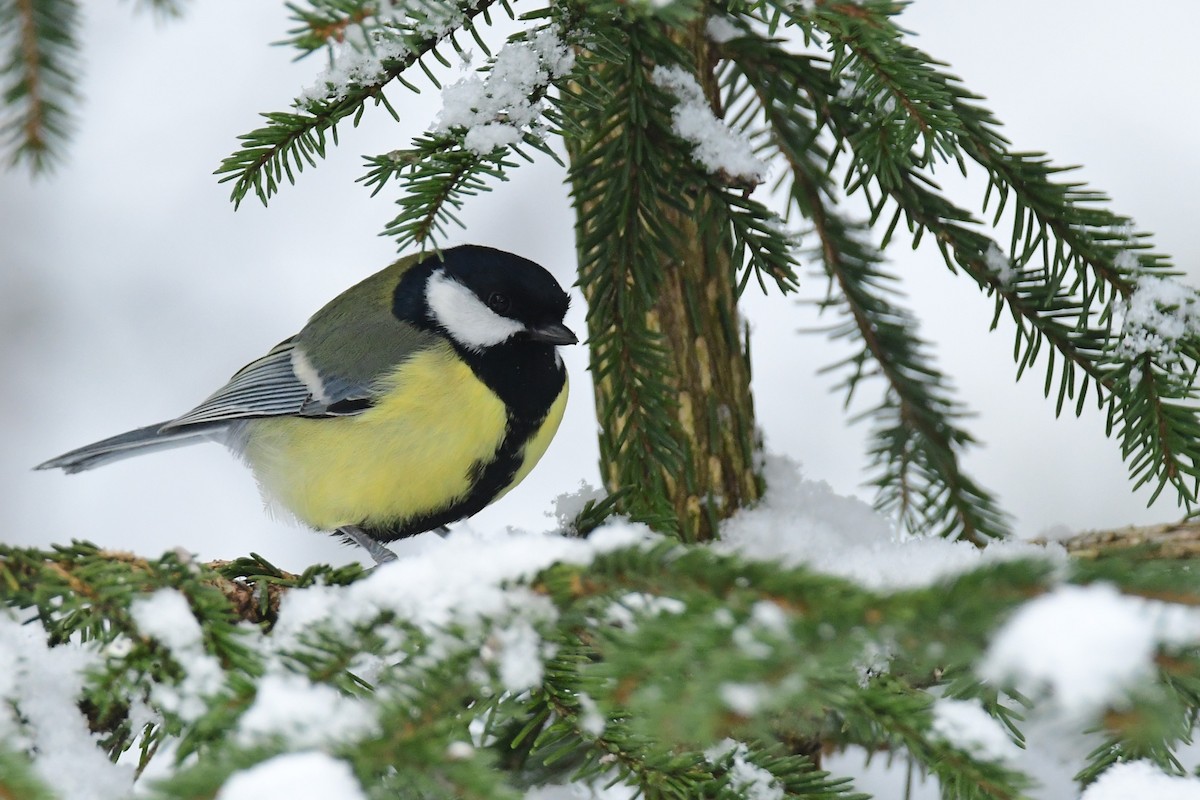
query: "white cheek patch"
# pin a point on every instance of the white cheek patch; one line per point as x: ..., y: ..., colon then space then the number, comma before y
x: 468, y: 321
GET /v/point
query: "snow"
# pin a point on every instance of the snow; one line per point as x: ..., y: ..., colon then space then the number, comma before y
x: 748, y: 780
x: 1159, y: 313
x: 166, y: 616
x: 625, y: 610
x: 520, y: 656
x: 591, y: 721
x: 1127, y: 261
x: 9, y: 662
x: 353, y: 64
x: 967, y: 726
x: 716, y: 147
x: 769, y: 615
x: 499, y: 109
x: 1000, y: 264
x: 744, y: 699
x: 803, y: 522
x: 569, y: 505
x: 1141, y: 779
x: 304, y: 714
x: 1082, y: 648
x: 460, y: 751
x: 721, y: 30
x: 768, y: 622
x: 463, y: 589
x: 46, y: 683
x: 1085, y: 647
x: 460, y: 581
x: 357, y: 60
x: 297, y: 776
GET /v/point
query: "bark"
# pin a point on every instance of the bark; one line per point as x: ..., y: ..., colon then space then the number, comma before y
x: 695, y: 312
x: 1165, y: 542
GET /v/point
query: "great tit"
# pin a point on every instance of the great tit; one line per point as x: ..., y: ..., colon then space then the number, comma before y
x: 412, y: 400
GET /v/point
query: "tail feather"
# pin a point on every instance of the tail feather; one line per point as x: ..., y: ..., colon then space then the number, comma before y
x: 124, y: 445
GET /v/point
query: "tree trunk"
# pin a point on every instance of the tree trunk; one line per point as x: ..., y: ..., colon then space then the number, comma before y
x: 707, y: 466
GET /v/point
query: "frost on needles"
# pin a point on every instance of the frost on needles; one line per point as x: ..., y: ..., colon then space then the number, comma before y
x: 444, y: 667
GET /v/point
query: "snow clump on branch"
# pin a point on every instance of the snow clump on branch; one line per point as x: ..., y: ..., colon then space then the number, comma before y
x: 1157, y: 316
x: 717, y: 147
x: 498, y: 110
x: 358, y: 59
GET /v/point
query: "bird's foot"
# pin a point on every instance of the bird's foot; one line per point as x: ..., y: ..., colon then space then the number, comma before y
x: 360, y: 537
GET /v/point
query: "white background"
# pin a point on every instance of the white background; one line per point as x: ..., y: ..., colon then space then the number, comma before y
x: 130, y: 289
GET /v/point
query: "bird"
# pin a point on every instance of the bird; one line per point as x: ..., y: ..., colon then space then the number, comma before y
x: 410, y: 401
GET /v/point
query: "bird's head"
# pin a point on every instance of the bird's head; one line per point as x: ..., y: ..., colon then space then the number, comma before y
x: 482, y: 298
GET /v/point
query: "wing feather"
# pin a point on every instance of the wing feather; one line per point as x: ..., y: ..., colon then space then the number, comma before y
x: 270, y: 387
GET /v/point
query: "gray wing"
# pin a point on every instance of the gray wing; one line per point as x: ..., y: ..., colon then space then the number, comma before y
x: 280, y: 383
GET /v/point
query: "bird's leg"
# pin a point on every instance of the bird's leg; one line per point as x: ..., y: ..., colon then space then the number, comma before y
x: 357, y: 535
x: 442, y: 530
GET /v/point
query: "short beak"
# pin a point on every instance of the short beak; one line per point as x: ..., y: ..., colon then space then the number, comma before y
x: 554, y: 333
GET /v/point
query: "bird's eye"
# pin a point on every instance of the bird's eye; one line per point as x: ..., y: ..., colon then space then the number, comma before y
x: 498, y: 302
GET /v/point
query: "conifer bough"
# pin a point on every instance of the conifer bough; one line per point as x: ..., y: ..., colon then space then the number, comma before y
x: 556, y: 658
x: 670, y: 115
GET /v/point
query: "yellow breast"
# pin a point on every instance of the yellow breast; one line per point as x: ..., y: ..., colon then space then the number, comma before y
x: 410, y: 454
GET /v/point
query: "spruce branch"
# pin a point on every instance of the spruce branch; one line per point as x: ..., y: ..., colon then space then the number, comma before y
x: 1088, y: 265
x: 907, y: 103
x: 1155, y: 419
x: 615, y: 117
x: 436, y: 175
x: 456, y: 159
x: 420, y: 722
x: 289, y: 140
x: 560, y: 737
x: 1154, y: 414
x: 1122, y: 545
x: 37, y: 78
x: 330, y: 23
x: 325, y: 23
x: 254, y: 587
x: 1096, y: 258
x: 915, y: 437
x: 282, y: 147
x: 640, y: 651
x: 1164, y: 722
x: 1088, y: 236
x: 83, y: 593
x: 890, y: 714
x: 891, y: 711
x: 761, y: 249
